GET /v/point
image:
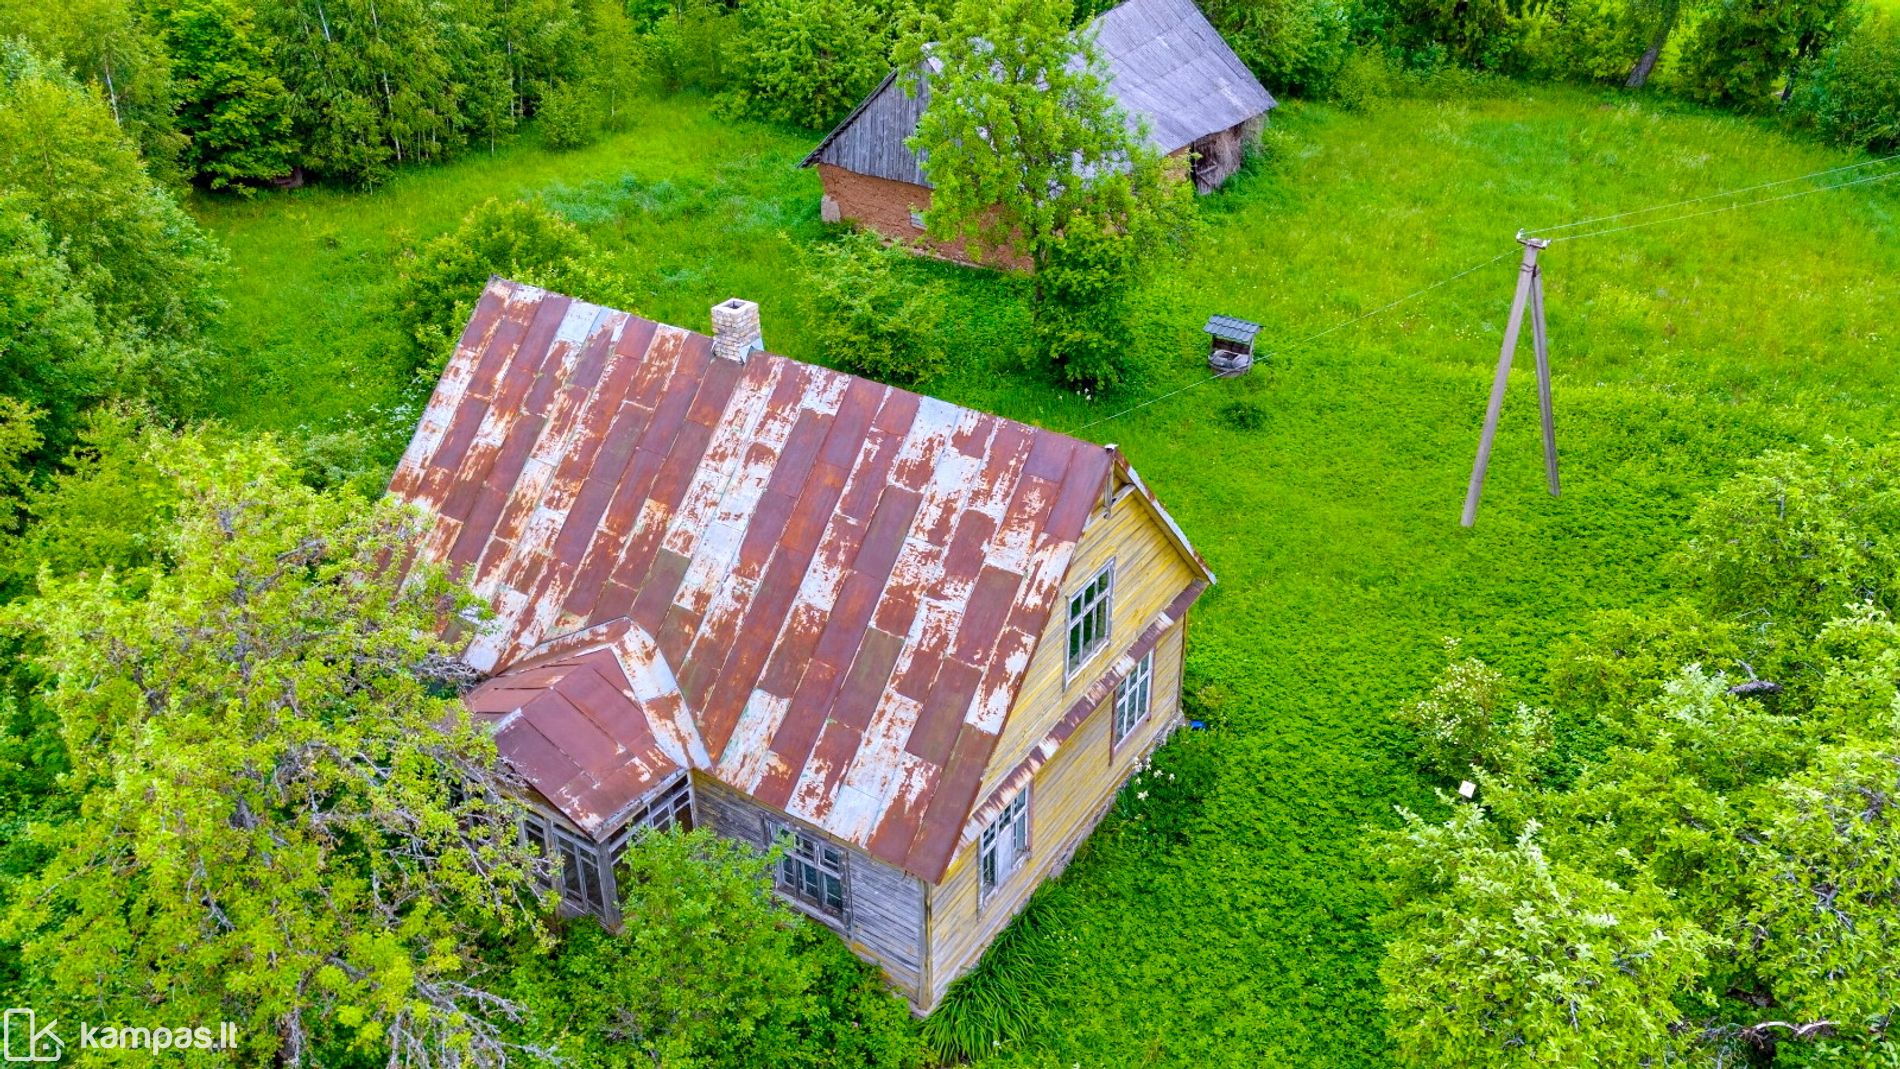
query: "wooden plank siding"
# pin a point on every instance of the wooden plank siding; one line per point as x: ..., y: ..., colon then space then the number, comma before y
x: 1073, y: 786
x: 883, y: 918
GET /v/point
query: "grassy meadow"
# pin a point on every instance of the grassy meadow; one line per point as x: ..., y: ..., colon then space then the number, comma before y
x: 1225, y: 917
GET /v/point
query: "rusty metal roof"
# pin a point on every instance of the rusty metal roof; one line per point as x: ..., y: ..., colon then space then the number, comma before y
x: 820, y: 590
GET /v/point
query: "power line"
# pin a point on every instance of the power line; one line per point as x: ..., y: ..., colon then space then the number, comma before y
x: 1289, y: 346
x: 1714, y: 196
x: 1729, y: 207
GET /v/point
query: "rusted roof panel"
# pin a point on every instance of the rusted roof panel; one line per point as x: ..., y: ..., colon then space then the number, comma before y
x: 820, y: 590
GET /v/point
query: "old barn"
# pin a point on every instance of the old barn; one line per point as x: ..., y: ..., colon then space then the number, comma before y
x: 921, y: 645
x: 1167, y: 67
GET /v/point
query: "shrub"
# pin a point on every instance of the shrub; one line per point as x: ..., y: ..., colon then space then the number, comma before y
x: 1798, y: 535
x: 1083, y: 316
x: 870, y: 317
x: 1461, y: 723
x: 1295, y: 46
x: 687, y: 49
x: 570, y: 116
x: 807, y: 61
x: 437, y: 287
x: 1743, y: 49
x: 709, y: 970
x: 1365, y: 79
x: 1853, y: 95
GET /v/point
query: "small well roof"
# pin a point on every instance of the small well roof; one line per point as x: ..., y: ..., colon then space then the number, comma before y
x: 1228, y: 328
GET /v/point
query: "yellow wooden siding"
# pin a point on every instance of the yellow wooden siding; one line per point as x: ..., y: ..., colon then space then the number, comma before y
x: 1067, y: 797
x: 1149, y: 573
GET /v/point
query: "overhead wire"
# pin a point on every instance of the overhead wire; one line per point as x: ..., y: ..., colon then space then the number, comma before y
x: 1713, y: 196
x: 1827, y: 188
x: 1310, y: 338
x: 1823, y: 188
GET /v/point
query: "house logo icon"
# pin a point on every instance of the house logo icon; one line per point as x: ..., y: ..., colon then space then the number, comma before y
x: 24, y: 1040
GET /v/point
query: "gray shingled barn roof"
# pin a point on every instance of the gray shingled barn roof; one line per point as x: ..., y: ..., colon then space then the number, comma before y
x: 1166, y: 64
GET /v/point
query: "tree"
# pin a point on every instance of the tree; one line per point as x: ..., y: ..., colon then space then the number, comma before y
x: 870, y: 319
x: 1663, y: 16
x: 521, y: 240
x: 286, y: 817
x: 147, y: 270
x: 1501, y: 956
x: 231, y: 105
x: 1728, y: 778
x: 709, y: 970
x: 144, y: 263
x: 808, y: 61
x: 370, y: 82
x: 1295, y: 46
x: 1852, y: 95
x: 52, y: 354
x: 1825, y: 885
x: 1744, y: 49
x: 1797, y: 536
x: 613, y: 59
x: 1025, y: 149
x: 115, y: 46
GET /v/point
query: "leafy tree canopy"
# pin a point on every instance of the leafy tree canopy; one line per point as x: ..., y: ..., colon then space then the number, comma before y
x: 285, y: 819
x: 1727, y: 814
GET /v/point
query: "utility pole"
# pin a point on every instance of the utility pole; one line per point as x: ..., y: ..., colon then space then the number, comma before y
x: 1530, y: 294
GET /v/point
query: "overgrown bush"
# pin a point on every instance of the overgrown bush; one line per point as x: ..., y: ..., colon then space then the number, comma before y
x: 437, y: 286
x: 1852, y: 96
x: 993, y: 1004
x: 1364, y: 79
x: 807, y: 61
x: 570, y: 116
x: 710, y: 970
x: 1742, y: 51
x: 1084, y: 308
x: 871, y: 316
x: 1583, y: 40
x: 686, y: 49
x: 1463, y: 723
x: 1294, y: 46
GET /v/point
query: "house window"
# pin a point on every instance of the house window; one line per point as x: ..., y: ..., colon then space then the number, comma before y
x: 1133, y: 695
x: 811, y: 870
x: 1088, y: 618
x: 1005, y: 842
x: 581, y: 885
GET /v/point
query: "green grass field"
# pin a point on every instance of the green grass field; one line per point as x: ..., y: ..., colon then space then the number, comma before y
x: 1225, y: 920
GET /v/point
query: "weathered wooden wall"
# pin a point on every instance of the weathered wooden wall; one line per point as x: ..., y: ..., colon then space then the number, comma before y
x: 1071, y: 787
x: 883, y: 918
x: 1222, y: 153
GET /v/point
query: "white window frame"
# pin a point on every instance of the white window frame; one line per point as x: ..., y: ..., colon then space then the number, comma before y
x: 1134, y: 698
x: 1004, y: 847
x: 808, y: 850
x: 1104, y: 604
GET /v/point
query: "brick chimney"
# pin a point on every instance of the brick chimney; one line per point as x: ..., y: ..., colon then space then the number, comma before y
x: 736, y: 329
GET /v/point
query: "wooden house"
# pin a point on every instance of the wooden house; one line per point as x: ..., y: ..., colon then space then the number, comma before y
x: 1167, y: 67
x: 921, y: 645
